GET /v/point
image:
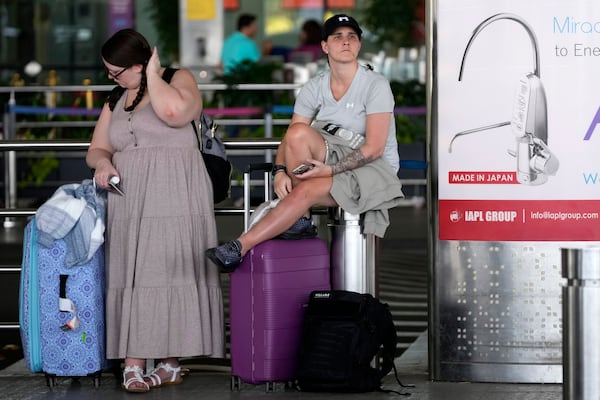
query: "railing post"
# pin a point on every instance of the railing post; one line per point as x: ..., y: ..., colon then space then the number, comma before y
x: 10, y: 161
x: 269, y: 132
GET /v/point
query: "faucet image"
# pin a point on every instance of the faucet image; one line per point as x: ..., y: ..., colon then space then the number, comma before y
x: 529, y: 122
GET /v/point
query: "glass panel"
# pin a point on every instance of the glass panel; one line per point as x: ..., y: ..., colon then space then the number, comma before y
x: 68, y: 35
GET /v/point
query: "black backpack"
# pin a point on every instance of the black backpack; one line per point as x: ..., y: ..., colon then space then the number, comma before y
x: 342, y: 334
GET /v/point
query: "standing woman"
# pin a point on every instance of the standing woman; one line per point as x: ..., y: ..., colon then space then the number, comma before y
x: 343, y: 127
x: 163, y: 299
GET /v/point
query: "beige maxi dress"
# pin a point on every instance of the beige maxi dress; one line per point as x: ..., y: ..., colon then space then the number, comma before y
x: 163, y: 296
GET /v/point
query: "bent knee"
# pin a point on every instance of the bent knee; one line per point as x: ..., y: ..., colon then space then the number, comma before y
x: 300, y: 132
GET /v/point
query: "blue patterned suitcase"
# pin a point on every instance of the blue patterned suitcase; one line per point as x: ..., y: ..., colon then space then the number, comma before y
x: 62, y: 311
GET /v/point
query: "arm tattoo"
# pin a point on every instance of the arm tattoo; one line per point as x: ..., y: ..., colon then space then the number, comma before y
x: 353, y: 160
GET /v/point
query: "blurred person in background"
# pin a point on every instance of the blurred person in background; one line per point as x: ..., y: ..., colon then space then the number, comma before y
x: 240, y: 46
x: 310, y: 42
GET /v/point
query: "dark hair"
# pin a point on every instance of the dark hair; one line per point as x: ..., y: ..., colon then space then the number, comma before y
x: 245, y: 20
x: 127, y: 48
x: 313, y: 31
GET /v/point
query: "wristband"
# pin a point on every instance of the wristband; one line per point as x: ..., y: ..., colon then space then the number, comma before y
x: 277, y: 168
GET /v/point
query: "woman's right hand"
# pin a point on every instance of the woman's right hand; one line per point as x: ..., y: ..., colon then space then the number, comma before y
x: 104, y: 171
x: 282, y: 184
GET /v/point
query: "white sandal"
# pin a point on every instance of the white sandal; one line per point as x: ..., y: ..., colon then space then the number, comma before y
x: 157, y: 381
x: 136, y: 378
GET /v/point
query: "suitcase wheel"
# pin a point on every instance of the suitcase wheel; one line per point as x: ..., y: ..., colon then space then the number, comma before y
x: 96, y: 378
x: 269, y: 387
x: 50, y: 380
x: 235, y: 383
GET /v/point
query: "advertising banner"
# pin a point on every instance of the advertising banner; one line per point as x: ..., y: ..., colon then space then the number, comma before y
x: 518, y: 120
x: 120, y: 15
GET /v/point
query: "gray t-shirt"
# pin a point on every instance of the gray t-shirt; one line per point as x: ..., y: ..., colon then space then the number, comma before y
x: 369, y: 93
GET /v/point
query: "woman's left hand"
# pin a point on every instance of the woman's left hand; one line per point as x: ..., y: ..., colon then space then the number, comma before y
x: 320, y: 170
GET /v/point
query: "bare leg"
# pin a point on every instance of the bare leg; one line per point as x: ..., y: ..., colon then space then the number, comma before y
x: 172, y: 361
x: 302, y: 142
x: 305, y: 195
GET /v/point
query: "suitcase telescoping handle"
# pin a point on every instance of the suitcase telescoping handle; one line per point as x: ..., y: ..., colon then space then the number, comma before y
x: 267, y: 168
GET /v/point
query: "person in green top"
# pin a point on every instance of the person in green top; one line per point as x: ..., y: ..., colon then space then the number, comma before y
x: 239, y: 46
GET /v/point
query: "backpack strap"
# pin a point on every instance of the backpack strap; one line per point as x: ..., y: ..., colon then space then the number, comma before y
x: 389, y: 339
x: 168, y: 74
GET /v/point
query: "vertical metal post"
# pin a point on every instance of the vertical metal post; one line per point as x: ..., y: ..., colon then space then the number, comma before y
x: 266, y: 168
x: 268, y: 152
x: 581, y: 324
x: 10, y: 162
x: 269, y: 134
x: 354, y: 255
x: 247, y: 199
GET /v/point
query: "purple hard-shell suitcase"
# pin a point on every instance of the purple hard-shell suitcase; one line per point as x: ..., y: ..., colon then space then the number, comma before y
x: 269, y: 292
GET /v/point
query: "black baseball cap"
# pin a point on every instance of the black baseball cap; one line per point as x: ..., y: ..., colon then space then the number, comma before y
x: 340, y: 20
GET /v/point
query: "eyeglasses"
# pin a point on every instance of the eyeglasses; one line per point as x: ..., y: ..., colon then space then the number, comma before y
x: 116, y: 75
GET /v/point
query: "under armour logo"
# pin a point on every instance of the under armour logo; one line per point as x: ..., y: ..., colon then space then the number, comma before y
x: 343, y: 19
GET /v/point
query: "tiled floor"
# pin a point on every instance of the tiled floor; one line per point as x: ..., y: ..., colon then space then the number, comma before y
x: 16, y: 383
x: 211, y: 382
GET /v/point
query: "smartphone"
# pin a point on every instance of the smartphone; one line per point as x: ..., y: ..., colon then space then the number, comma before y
x: 114, y: 183
x: 302, y: 168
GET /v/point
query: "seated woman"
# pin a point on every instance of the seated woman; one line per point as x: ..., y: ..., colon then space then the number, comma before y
x: 343, y: 129
x: 310, y: 42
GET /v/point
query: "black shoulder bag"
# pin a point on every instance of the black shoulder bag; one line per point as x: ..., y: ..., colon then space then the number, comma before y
x: 213, y: 151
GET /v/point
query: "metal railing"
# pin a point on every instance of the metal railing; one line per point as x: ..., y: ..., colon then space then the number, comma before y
x: 10, y: 145
x: 31, y: 145
x: 10, y: 125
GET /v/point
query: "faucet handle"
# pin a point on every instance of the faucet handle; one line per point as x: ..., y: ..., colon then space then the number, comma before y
x: 543, y: 160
